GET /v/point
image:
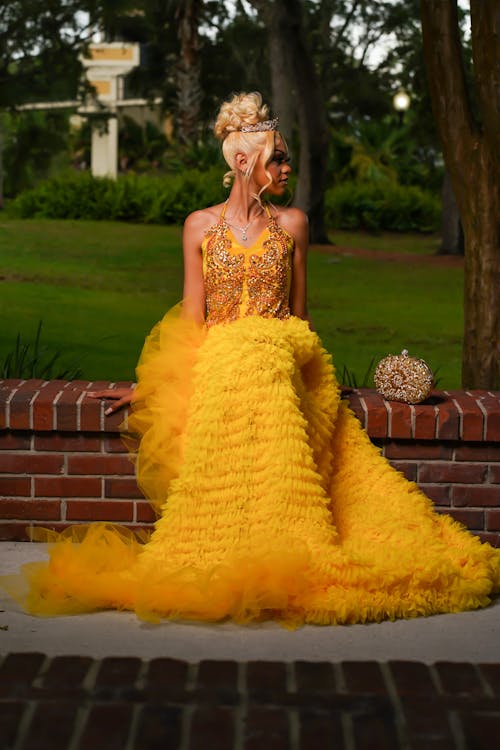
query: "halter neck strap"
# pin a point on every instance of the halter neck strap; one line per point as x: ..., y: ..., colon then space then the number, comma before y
x: 224, y: 207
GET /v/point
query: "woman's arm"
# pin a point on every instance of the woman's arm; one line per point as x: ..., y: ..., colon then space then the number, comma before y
x: 296, y: 223
x: 194, y: 289
x: 193, y: 297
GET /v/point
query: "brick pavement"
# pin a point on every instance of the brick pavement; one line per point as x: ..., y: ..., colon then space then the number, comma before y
x: 79, y: 703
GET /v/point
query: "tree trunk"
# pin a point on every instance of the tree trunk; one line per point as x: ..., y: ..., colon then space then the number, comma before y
x: 313, y: 128
x: 469, y: 152
x: 295, y: 73
x: 188, y: 72
x: 283, y: 94
x: 452, y: 235
x: 2, y: 146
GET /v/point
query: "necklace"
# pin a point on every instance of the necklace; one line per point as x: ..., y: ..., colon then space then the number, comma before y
x: 244, y: 229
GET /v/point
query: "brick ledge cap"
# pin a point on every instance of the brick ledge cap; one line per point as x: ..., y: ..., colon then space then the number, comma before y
x: 63, y: 406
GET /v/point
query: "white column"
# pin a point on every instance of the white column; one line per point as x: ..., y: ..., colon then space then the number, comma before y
x: 105, y: 65
x: 104, y: 161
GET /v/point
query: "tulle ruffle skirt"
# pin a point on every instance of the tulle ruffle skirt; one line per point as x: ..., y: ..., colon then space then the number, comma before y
x: 272, y: 501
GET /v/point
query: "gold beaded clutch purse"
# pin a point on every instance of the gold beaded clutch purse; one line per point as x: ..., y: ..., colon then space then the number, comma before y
x: 403, y: 378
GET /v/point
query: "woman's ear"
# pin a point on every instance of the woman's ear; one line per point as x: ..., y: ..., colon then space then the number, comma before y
x: 240, y: 162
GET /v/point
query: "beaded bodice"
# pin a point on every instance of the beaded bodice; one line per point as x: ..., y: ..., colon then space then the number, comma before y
x: 252, y: 280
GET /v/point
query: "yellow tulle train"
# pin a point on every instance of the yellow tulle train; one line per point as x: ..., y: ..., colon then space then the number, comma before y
x: 274, y: 503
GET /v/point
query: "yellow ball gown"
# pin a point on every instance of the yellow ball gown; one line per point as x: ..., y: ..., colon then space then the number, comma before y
x: 273, y: 502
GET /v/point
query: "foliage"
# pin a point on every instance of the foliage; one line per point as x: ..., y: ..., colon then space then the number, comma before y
x: 139, y: 198
x: 378, y: 150
x: 42, y: 143
x: 160, y: 29
x: 140, y: 148
x: 342, y: 36
x: 233, y: 52
x: 169, y: 199
x: 235, y: 59
x: 381, y: 205
x: 33, y: 142
x: 39, y: 48
x: 365, y: 142
x: 36, y: 360
x: 350, y: 379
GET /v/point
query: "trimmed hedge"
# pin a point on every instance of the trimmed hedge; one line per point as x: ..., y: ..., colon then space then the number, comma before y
x: 381, y: 205
x: 169, y: 199
x: 137, y: 198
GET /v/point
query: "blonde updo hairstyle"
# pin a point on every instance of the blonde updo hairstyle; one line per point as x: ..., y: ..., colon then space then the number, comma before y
x: 245, y: 109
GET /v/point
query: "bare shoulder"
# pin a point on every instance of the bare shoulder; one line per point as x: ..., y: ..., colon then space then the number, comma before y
x: 294, y: 220
x: 200, y: 221
x: 290, y: 217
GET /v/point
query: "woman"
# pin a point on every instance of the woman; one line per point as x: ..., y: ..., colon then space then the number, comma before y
x: 273, y: 501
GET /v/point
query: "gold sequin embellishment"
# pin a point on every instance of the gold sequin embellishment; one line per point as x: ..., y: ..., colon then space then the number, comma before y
x: 251, y: 283
x: 224, y: 273
x: 268, y: 276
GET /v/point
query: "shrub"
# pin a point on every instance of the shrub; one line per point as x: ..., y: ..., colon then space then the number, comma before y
x: 381, y: 205
x: 168, y: 199
x: 144, y: 198
x: 78, y: 196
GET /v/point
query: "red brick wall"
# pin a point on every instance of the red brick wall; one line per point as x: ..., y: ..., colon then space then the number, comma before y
x: 62, y: 460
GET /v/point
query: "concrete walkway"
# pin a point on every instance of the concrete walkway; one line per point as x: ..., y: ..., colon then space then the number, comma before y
x: 464, y: 637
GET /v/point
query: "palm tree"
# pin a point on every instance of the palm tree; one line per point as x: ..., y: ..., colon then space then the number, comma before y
x: 189, y: 95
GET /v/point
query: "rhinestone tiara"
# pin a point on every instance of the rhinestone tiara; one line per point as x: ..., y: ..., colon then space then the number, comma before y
x: 260, y: 126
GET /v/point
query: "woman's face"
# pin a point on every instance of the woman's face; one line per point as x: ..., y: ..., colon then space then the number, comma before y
x: 277, y: 167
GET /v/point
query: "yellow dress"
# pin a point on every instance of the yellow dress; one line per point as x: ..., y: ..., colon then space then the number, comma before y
x: 274, y: 503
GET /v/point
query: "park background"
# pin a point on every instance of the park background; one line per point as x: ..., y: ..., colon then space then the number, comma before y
x: 88, y: 264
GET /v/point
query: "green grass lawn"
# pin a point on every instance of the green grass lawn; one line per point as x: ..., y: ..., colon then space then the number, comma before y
x: 403, y: 244
x: 99, y: 287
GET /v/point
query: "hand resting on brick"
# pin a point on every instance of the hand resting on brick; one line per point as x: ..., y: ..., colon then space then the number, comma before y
x: 121, y: 396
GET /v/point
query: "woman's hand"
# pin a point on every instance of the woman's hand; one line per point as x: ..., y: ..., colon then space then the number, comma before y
x: 122, y: 397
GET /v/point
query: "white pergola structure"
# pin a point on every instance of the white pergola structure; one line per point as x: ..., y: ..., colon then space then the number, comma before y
x: 106, y: 67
